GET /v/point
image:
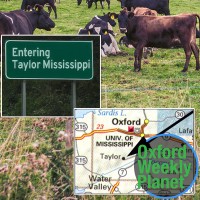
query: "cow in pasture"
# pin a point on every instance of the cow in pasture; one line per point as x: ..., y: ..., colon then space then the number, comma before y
x: 139, y: 11
x: 22, y: 22
x: 107, y: 21
x: 160, y: 32
x: 108, y: 42
x: 90, y: 2
x: 109, y: 17
x: 161, y: 6
x: 32, y: 3
x: 144, y: 11
x: 98, y: 26
x: 108, y: 45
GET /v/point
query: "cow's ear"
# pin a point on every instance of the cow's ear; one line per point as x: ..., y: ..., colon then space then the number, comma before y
x: 130, y: 14
x: 112, y: 15
x: 38, y: 7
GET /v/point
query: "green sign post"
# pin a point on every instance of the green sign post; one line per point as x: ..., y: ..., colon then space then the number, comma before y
x: 58, y: 60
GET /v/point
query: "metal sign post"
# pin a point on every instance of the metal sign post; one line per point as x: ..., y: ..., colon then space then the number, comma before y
x: 73, y: 95
x: 24, y: 98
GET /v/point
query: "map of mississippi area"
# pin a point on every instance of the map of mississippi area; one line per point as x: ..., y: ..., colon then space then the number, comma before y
x: 105, y: 140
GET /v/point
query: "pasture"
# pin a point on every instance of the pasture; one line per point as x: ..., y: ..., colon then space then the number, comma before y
x: 159, y: 84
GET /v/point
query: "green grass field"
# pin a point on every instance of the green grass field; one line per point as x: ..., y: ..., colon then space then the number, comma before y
x: 159, y: 84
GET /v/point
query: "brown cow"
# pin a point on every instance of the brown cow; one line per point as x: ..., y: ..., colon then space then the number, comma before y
x: 160, y: 32
x: 140, y: 11
x: 144, y: 11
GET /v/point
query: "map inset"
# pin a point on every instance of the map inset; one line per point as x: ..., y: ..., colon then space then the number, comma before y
x: 105, y: 141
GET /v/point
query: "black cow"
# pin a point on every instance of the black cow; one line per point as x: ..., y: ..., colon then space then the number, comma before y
x: 32, y: 3
x: 160, y: 32
x: 161, y: 6
x: 90, y: 2
x: 22, y: 22
x: 102, y: 22
x: 98, y: 26
x: 108, y: 42
x: 109, y: 17
x: 108, y: 45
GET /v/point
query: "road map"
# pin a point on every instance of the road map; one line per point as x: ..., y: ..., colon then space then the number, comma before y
x: 105, y: 138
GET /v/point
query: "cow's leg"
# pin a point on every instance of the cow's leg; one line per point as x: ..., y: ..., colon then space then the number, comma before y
x: 195, y: 50
x: 138, y: 57
x: 114, y: 42
x: 103, y: 54
x: 150, y: 51
x: 95, y: 4
x: 49, y: 9
x: 101, y: 2
x: 188, y: 53
x: 145, y: 52
x: 54, y: 9
x: 108, y: 1
x: 135, y: 62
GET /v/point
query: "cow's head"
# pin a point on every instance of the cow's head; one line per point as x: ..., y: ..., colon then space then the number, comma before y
x: 43, y: 21
x: 79, y: 2
x: 123, y: 18
x: 111, y: 18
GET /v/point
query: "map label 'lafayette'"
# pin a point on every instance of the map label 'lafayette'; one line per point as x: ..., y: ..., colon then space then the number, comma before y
x: 185, y: 130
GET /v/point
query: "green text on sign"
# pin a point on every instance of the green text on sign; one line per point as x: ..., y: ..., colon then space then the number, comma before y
x: 34, y: 59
